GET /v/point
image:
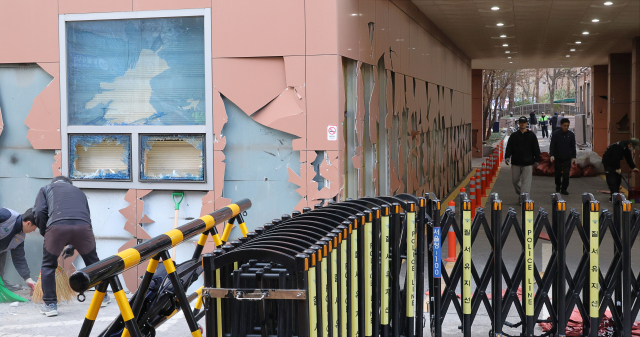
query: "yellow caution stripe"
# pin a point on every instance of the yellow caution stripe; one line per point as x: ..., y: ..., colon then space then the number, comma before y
x: 130, y: 257
x: 175, y: 235
x: 123, y: 304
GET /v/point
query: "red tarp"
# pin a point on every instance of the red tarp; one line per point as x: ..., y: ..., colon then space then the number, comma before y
x: 574, y: 326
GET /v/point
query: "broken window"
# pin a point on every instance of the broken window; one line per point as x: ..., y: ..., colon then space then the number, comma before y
x: 100, y: 157
x: 172, y: 158
x: 147, y: 71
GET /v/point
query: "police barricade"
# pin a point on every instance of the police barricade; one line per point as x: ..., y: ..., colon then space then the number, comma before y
x: 557, y: 291
x: 351, y: 268
x: 148, y: 309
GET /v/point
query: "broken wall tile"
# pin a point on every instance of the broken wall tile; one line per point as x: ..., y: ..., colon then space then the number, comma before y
x: 260, y: 28
x: 57, y: 164
x: 382, y: 32
x: 284, y: 114
x: 250, y: 83
x: 295, y: 77
x: 29, y: 31
x: 44, y: 117
x: 367, y: 30
x: 348, y: 24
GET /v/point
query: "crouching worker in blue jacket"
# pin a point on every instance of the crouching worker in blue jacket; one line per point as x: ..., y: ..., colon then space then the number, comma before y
x: 13, y: 229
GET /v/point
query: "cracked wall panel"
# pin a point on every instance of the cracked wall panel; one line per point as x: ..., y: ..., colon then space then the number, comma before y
x: 260, y: 28
x: 399, y: 39
x: 44, y: 117
x: 367, y: 30
x: 295, y: 76
x: 250, y: 83
x: 399, y: 100
x: 57, y: 165
x: 324, y: 107
x: 154, y: 5
x: 409, y: 95
x: 284, y: 114
x: 374, y: 108
x: 29, y: 31
x: 219, y: 120
x: 94, y: 6
x: 447, y: 111
x: 422, y: 105
x: 329, y: 170
x: 390, y: 109
x: 358, y: 159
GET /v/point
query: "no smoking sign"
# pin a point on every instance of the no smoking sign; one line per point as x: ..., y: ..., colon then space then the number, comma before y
x: 332, y: 132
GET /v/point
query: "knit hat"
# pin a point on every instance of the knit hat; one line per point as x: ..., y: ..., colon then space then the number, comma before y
x: 635, y: 142
x: 523, y: 119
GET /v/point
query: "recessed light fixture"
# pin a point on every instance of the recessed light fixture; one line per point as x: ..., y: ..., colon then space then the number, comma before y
x: 585, y: 33
x: 568, y: 55
x: 510, y: 61
x: 509, y: 57
x: 495, y: 8
x: 354, y: 14
x: 507, y: 52
x: 503, y: 35
x: 608, y: 3
x: 500, y: 24
x: 595, y: 20
x: 505, y: 45
x: 578, y: 42
x: 572, y: 49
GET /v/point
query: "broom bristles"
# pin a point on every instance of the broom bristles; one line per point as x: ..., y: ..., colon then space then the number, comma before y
x: 63, y: 290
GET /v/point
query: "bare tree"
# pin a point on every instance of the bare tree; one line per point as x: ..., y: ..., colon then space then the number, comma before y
x: 552, y: 81
x: 495, y: 85
x: 536, y: 88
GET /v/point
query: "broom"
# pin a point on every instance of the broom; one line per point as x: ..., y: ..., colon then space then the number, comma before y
x: 63, y: 290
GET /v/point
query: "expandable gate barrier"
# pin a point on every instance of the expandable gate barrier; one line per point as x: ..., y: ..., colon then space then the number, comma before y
x: 333, y: 271
x: 557, y: 290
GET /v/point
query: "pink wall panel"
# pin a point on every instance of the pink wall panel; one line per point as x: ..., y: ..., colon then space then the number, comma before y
x: 244, y: 28
x: 323, y: 109
x: 382, y: 30
x: 94, y: 6
x: 367, y: 14
x: 321, y: 19
x: 399, y: 39
x: 150, y: 5
x: 29, y: 32
x: 348, y: 32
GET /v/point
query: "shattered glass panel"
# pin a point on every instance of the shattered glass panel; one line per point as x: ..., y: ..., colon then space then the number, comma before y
x: 172, y: 157
x: 136, y: 72
x: 100, y: 157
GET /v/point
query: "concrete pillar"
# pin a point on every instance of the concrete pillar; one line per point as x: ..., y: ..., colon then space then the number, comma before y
x: 635, y: 98
x: 476, y: 112
x: 619, y: 97
x: 600, y: 108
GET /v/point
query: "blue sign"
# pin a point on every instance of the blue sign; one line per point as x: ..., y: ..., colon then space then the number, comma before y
x: 437, y: 260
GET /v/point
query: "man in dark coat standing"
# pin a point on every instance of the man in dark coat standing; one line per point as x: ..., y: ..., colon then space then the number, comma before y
x: 563, y: 153
x: 611, y: 161
x: 554, y: 122
x: 522, y: 152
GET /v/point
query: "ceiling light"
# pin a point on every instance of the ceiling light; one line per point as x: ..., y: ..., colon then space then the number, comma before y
x: 578, y: 42
x: 568, y: 55
x: 510, y: 62
x: 503, y: 36
x: 509, y: 57
x: 585, y: 33
x: 495, y: 8
x: 500, y: 24
x: 505, y: 45
x: 507, y: 52
x: 572, y: 50
x: 608, y: 3
x: 354, y: 14
x: 595, y: 20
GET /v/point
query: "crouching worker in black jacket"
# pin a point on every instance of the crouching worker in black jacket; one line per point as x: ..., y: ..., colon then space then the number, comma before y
x: 62, y: 214
x: 522, y: 152
x: 13, y: 229
x: 611, y: 162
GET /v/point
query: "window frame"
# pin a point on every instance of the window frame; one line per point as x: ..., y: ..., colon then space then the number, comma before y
x: 135, y: 131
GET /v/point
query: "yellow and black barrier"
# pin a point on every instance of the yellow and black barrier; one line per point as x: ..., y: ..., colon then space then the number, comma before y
x: 132, y: 321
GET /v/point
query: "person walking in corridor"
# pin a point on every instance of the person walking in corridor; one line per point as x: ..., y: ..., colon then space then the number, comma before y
x: 544, y: 121
x: 533, y: 122
x: 62, y: 214
x: 522, y: 152
x: 611, y: 162
x: 554, y: 121
x: 563, y: 153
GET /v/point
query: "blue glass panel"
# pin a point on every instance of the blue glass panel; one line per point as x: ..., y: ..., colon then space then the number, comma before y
x: 136, y: 72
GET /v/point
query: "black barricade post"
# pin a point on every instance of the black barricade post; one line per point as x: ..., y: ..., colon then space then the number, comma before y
x: 465, y: 218
x: 410, y: 279
x: 559, y: 286
x: 434, y: 240
x: 528, y: 279
x: 623, y: 208
x: 591, y: 289
x: 422, y: 224
x: 496, y: 283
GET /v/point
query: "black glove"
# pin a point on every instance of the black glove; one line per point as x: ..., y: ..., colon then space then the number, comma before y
x: 68, y: 252
x: 507, y: 161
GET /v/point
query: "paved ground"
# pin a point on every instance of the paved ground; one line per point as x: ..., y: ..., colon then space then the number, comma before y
x: 25, y: 320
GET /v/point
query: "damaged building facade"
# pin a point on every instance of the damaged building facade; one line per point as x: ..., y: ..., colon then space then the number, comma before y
x: 287, y: 103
